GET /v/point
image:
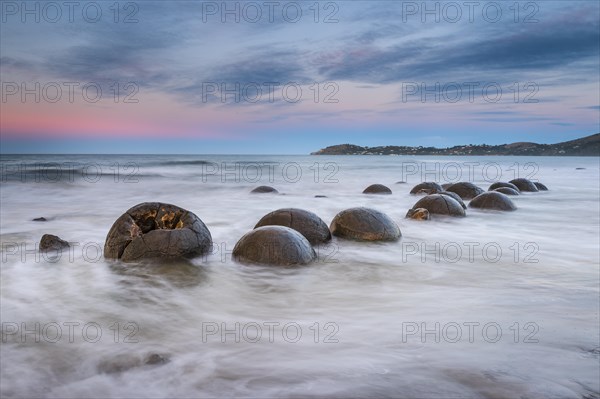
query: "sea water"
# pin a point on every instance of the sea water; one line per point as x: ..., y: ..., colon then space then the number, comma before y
x: 494, y: 305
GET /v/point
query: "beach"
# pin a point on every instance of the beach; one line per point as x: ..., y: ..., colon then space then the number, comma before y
x: 495, y: 304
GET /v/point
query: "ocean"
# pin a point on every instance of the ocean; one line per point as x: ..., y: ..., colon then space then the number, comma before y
x: 493, y: 305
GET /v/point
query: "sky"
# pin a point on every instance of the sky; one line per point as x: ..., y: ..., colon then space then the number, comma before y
x: 291, y: 77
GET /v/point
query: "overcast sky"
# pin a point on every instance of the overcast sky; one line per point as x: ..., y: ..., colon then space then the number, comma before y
x: 293, y: 77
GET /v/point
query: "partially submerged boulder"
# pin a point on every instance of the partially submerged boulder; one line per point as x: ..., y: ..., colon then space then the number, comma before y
x: 455, y: 196
x: 377, y: 189
x: 364, y: 224
x: 51, y: 242
x: 418, y: 214
x: 507, y: 191
x: 426, y: 188
x: 493, y: 200
x: 438, y: 204
x: 156, y: 230
x: 264, y: 190
x: 524, y: 185
x: 274, y: 245
x: 540, y: 186
x: 500, y: 184
x: 465, y: 190
x: 306, y: 223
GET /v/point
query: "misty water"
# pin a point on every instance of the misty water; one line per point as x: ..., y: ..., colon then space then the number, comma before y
x: 492, y: 305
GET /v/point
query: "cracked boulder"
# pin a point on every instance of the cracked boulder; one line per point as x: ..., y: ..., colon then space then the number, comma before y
x: 155, y: 230
x: 455, y: 196
x: 364, y: 224
x: 418, y: 214
x: 426, y: 188
x: 438, y: 204
x: 465, y: 190
x: 274, y: 245
x: 306, y: 223
x: 525, y: 185
x: 500, y: 184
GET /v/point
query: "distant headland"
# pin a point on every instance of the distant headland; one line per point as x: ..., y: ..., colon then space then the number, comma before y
x: 585, y: 146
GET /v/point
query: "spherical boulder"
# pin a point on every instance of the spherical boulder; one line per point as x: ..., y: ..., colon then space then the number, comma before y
x: 465, y: 190
x: 446, y: 185
x: 540, y: 186
x: 500, y: 184
x: 507, y: 191
x: 438, y: 204
x: 51, y: 242
x: 418, y: 214
x: 364, y: 224
x: 274, y: 245
x: 455, y: 196
x: 156, y: 230
x: 306, y: 223
x: 264, y: 190
x: 493, y: 200
x: 524, y: 185
x: 426, y: 188
x: 377, y: 189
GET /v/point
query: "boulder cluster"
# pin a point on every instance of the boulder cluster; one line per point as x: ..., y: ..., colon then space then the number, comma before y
x: 288, y: 236
x: 447, y: 199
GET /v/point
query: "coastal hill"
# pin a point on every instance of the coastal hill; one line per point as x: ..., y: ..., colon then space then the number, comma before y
x: 585, y: 146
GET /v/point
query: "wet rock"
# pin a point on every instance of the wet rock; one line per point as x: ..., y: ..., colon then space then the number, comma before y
x: 426, y: 188
x: 274, y: 245
x: 418, y: 214
x: 155, y: 359
x: 446, y: 185
x: 465, y: 190
x: 364, y: 224
x: 401, y: 182
x: 524, y: 185
x: 493, y: 200
x: 579, y: 168
x: 126, y: 361
x: 455, y: 196
x: 540, y: 186
x: 264, y: 190
x: 306, y: 223
x: 500, y: 184
x: 507, y: 191
x: 41, y: 219
x: 154, y: 230
x: 438, y: 204
x: 377, y: 189
x: 51, y: 242
x: 320, y: 196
